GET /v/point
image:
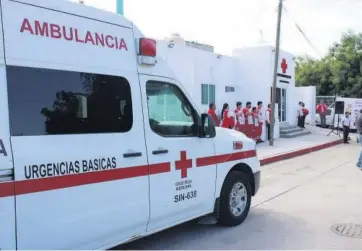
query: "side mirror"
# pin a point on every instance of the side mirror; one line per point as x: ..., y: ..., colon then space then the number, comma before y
x: 207, y: 126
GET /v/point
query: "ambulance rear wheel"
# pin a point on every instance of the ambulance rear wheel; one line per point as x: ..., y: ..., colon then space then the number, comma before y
x: 235, y: 199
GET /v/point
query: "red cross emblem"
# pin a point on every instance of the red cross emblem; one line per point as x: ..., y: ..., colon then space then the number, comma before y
x: 183, y: 164
x: 284, y: 65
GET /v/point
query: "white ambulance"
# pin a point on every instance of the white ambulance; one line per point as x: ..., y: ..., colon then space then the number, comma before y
x: 91, y: 156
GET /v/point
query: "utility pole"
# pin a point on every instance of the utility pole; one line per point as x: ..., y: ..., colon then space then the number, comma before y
x: 276, y: 61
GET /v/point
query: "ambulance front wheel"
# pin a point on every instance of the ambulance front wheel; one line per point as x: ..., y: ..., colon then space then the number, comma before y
x: 235, y: 199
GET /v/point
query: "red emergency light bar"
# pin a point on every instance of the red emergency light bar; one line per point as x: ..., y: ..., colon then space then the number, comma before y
x: 147, y: 51
x: 147, y: 47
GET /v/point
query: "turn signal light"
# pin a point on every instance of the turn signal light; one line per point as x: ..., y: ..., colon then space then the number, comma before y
x: 238, y: 145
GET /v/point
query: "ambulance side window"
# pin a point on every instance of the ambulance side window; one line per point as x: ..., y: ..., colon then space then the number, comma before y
x: 170, y: 113
x: 53, y: 102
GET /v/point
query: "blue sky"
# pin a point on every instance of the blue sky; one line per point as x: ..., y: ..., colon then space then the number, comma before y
x: 229, y: 24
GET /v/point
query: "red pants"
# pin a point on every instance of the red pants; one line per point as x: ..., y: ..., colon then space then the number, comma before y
x: 259, y: 130
x: 240, y: 128
x: 248, y: 130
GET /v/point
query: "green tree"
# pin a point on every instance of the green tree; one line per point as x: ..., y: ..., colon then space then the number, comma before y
x: 340, y: 71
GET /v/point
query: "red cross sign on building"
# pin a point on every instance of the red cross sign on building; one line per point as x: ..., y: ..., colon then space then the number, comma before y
x: 284, y: 65
x: 183, y: 164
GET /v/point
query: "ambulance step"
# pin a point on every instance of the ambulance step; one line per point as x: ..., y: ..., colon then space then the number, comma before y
x: 295, y: 134
x: 287, y: 127
x: 290, y: 130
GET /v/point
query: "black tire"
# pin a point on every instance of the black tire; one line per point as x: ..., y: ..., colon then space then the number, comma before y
x: 226, y: 217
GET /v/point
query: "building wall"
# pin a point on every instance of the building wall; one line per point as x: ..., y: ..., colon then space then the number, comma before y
x: 257, y: 68
x: 194, y: 67
x: 249, y: 71
x: 253, y: 66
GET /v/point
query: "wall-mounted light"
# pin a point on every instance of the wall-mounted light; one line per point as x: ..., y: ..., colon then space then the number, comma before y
x: 171, y: 45
x: 219, y: 56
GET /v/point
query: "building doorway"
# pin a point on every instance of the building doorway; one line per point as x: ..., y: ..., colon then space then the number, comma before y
x: 281, y: 100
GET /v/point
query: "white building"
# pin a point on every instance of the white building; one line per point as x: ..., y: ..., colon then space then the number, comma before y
x: 246, y: 76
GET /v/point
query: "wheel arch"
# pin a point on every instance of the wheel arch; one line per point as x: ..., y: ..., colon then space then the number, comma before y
x: 244, y: 168
x: 240, y: 167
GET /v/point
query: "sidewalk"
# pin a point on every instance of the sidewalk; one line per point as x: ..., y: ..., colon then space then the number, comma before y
x: 289, y: 148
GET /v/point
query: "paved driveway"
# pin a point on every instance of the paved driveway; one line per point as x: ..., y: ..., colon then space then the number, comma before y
x: 300, y: 199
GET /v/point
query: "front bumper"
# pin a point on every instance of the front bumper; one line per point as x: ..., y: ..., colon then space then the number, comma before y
x: 257, y: 177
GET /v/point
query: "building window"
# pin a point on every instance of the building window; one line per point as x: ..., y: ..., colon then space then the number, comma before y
x: 172, y: 119
x: 229, y: 89
x: 52, y: 102
x: 207, y: 94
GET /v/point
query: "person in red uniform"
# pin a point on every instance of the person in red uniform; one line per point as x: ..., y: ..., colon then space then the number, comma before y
x: 255, y: 126
x: 239, y: 118
x: 268, y: 120
x: 227, y: 120
x: 248, y: 127
x: 259, y: 129
x: 212, y: 113
x: 305, y: 112
x: 322, y: 111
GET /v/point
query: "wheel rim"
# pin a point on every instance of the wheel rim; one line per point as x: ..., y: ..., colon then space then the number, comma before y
x: 238, y: 199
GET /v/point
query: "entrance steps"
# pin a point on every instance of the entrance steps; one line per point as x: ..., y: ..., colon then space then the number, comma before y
x: 289, y: 131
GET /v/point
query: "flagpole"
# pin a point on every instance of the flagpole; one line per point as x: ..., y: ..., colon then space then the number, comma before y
x: 276, y: 61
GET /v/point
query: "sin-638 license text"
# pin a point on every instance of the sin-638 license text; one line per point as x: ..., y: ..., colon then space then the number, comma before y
x: 185, y: 196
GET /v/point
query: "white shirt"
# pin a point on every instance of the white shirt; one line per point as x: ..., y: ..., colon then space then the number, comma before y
x: 346, y: 121
x: 299, y: 111
x: 261, y: 114
x: 268, y: 115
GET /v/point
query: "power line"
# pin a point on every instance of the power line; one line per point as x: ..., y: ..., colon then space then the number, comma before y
x: 303, y: 33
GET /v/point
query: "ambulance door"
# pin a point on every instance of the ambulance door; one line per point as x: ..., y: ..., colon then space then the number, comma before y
x: 7, y: 204
x: 82, y: 179
x: 179, y: 188
x: 7, y: 198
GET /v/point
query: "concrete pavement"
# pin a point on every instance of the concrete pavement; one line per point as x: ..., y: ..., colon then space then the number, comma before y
x: 300, y: 199
x: 283, y: 146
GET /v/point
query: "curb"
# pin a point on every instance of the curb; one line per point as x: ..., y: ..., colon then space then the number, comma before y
x: 289, y: 155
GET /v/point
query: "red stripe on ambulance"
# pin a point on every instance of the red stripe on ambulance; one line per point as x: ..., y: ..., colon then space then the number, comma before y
x: 7, y: 189
x: 212, y: 160
x: 160, y: 168
x: 59, y: 182
x: 45, y: 184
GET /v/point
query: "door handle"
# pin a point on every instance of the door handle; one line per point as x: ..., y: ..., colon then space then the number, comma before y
x: 132, y: 155
x: 6, y: 175
x: 161, y: 151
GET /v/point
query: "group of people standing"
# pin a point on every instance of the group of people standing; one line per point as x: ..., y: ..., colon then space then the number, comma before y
x: 248, y: 120
x: 302, y: 113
